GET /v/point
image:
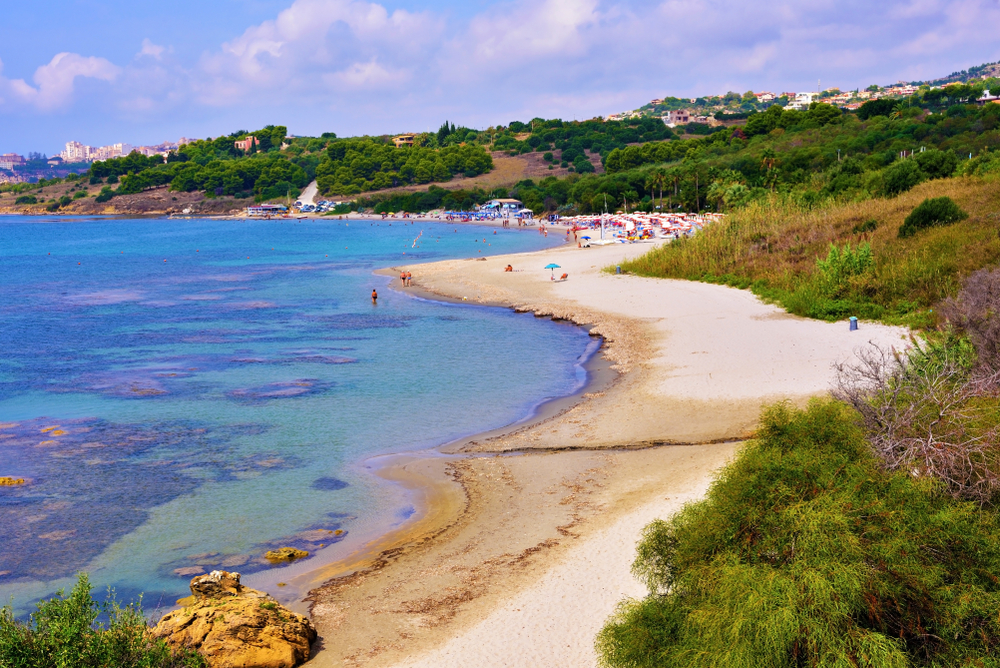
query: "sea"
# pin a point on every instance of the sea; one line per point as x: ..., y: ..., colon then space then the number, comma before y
x: 185, y: 395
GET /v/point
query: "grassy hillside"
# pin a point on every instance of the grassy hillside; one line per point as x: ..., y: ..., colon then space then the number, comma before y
x: 775, y: 247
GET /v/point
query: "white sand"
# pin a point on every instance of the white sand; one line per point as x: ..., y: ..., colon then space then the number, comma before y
x: 554, y: 623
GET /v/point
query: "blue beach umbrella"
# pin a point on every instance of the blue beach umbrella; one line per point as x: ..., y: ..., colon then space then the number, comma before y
x: 553, y: 267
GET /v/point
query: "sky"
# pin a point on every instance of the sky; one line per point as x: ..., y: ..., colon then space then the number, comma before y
x: 108, y: 71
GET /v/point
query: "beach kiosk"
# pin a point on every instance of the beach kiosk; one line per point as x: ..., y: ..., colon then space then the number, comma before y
x: 502, y: 207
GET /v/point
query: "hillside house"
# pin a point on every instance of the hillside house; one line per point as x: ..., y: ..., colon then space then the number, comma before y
x: 404, y: 140
x: 246, y: 144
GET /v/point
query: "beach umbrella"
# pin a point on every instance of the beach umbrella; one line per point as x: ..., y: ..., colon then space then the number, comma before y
x: 553, y: 267
x: 587, y: 238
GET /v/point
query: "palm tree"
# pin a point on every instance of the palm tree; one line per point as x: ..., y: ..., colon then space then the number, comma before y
x: 657, y: 179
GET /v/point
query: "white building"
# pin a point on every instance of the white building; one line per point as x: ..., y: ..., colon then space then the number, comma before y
x: 802, y: 101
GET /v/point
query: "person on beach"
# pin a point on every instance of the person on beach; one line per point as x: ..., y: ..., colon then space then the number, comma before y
x: 402, y: 278
x: 509, y: 268
x: 374, y: 298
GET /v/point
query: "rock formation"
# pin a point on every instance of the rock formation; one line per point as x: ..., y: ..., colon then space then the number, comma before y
x: 234, y: 626
x: 285, y: 554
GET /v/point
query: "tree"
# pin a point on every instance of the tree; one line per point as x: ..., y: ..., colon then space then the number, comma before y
x: 657, y: 179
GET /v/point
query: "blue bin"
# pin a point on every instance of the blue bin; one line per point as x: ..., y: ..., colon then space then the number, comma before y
x: 618, y: 269
x: 854, y: 324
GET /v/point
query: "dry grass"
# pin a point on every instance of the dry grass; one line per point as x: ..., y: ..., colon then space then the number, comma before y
x: 772, y: 247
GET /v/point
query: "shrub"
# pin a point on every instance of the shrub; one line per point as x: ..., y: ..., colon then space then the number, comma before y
x: 106, y: 194
x: 937, y: 164
x: 64, y: 632
x: 26, y: 199
x: 113, y: 178
x: 975, y: 313
x: 547, y: 156
x: 927, y: 414
x: 806, y: 552
x: 79, y: 194
x: 901, y: 176
x: 930, y: 213
x: 94, y: 180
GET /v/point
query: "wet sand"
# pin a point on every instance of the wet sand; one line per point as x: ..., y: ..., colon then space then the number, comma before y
x: 525, y: 543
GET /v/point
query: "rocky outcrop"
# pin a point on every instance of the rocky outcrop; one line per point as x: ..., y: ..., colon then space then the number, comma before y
x: 234, y: 626
x: 11, y: 482
x: 285, y: 554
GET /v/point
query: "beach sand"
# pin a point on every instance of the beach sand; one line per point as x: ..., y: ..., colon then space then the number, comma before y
x: 527, y: 549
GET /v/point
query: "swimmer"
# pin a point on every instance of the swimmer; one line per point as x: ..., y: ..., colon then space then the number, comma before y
x: 374, y: 298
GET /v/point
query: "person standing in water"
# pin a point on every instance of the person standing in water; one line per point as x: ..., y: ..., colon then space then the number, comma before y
x: 374, y: 298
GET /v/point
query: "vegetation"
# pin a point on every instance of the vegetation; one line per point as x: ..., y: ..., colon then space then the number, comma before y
x: 352, y: 166
x: 931, y: 212
x: 808, y: 551
x: 66, y: 632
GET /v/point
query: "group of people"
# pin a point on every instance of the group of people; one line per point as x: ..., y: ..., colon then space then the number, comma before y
x: 405, y: 278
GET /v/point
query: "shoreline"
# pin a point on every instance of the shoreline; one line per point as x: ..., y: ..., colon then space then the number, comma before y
x: 539, y: 495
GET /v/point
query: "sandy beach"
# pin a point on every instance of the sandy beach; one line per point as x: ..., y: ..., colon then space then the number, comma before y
x: 525, y: 545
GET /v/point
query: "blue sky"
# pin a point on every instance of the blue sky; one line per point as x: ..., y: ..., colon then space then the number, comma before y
x: 103, y: 71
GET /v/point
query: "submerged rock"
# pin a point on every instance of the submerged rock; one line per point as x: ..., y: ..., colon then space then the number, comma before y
x: 234, y: 626
x: 285, y: 554
x: 10, y: 482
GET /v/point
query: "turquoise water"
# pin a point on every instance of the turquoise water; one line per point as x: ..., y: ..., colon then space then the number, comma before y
x: 184, y: 395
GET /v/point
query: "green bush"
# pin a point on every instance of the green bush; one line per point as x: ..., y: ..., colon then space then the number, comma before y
x: 106, y: 194
x: 26, y: 199
x: 64, y: 632
x: 547, y: 156
x: 79, y: 194
x: 902, y: 176
x: 806, y: 552
x: 930, y: 213
x: 937, y: 164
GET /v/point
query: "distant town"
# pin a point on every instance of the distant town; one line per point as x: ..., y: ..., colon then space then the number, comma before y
x: 711, y: 108
x: 75, y: 157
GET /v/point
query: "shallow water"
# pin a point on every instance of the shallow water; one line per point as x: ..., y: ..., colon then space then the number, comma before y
x: 184, y: 395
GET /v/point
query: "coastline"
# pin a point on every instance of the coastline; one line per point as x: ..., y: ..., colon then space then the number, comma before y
x: 539, y: 498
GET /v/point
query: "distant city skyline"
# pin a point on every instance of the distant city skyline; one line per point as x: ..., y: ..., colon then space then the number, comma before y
x: 110, y: 71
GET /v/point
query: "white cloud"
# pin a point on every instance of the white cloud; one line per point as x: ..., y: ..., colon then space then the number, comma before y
x: 154, y: 51
x: 54, y: 83
x: 319, y: 46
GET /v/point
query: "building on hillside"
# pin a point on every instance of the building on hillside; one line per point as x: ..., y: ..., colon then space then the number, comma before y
x: 801, y: 101
x: 9, y: 161
x: 789, y: 96
x: 400, y: 141
x: 246, y: 144
x: 765, y: 96
x: 677, y: 117
x: 656, y: 102
x: 55, y: 161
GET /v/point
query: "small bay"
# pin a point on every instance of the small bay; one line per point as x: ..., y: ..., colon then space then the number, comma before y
x: 183, y: 395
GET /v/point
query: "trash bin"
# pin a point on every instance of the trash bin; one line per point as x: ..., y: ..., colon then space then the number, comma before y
x: 854, y: 324
x: 618, y: 269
